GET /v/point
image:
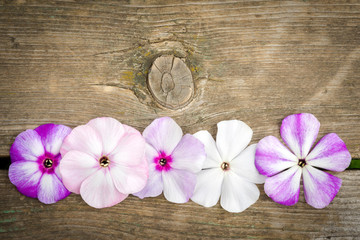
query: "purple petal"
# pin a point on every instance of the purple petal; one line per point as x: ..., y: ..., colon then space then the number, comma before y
x: 284, y: 188
x: 51, y: 189
x: 320, y: 187
x: 179, y: 185
x: 189, y: 154
x: 25, y: 175
x: 330, y: 153
x: 52, y: 136
x: 272, y: 156
x: 27, y: 147
x: 163, y: 134
x: 154, y: 185
x: 299, y: 132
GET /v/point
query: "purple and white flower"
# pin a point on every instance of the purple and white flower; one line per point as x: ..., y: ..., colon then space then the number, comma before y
x: 173, y: 161
x: 284, y: 167
x: 229, y: 170
x: 35, y: 157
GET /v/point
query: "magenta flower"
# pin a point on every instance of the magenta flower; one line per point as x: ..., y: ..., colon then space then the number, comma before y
x: 173, y: 161
x: 284, y: 168
x: 104, y: 161
x: 35, y: 157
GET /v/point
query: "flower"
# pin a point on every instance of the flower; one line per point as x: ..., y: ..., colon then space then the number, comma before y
x: 229, y: 169
x: 173, y: 161
x: 35, y: 157
x: 284, y: 168
x: 104, y: 161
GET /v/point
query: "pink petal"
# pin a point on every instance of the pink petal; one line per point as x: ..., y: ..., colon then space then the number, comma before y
x: 27, y: 147
x: 130, y: 149
x: 284, y: 188
x: 299, y: 132
x: 320, y: 187
x: 330, y: 153
x: 51, y: 189
x: 163, y: 134
x: 154, y: 185
x: 213, y: 158
x: 129, y: 179
x: 75, y: 167
x: 110, y: 130
x: 208, y: 187
x: 244, y: 165
x: 99, y: 191
x: 237, y: 194
x: 52, y: 136
x: 84, y: 139
x: 189, y: 154
x: 25, y: 175
x: 272, y: 156
x: 179, y: 185
x: 232, y: 137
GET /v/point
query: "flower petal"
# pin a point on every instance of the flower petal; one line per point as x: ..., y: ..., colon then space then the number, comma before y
x: 110, y: 130
x: 320, y: 187
x: 237, y: 194
x: 99, y: 191
x: 208, y: 187
x: 179, y: 185
x: 330, y: 153
x: 154, y: 185
x: 130, y: 149
x: 189, y: 154
x: 27, y: 147
x: 163, y: 134
x: 52, y: 136
x: 75, y: 167
x: 213, y: 158
x: 129, y: 179
x: 299, y: 132
x: 25, y: 175
x: 284, y: 188
x: 51, y: 189
x: 232, y: 137
x: 272, y: 156
x: 244, y: 165
x: 84, y: 139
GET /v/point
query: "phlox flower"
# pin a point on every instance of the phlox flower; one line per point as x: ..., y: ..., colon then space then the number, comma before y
x: 173, y: 161
x: 35, y: 157
x: 104, y: 161
x: 284, y: 167
x: 229, y: 170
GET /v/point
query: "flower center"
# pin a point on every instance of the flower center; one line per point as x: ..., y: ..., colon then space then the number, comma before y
x: 162, y: 161
x: 302, y: 162
x: 48, y: 163
x: 225, y: 166
x: 104, y: 161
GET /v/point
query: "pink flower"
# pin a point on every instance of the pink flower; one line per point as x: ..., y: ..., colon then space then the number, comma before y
x: 104, y: 161
x: 284, y: 168
x: 173, y: 161
x: 35, y: 157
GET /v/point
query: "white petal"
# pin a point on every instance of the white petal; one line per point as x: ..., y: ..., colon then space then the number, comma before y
x: 213, y: 158
x: 232, y: 137
x: 237, y: 194
x: 244, y: 165
x: 208, y: 187
x: 179, y: 185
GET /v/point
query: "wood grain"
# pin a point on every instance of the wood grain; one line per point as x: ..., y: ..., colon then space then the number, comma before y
x: 258, y: 61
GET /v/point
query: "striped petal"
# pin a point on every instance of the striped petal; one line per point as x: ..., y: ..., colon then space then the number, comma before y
x: 27, y: 147
x: 52, y: 136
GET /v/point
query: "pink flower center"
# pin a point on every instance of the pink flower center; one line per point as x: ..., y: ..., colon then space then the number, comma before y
x: 162, y: 162
x: 104, y: 161
x: 225, y: 166
x: 302, y: 162
x: 48, y: 163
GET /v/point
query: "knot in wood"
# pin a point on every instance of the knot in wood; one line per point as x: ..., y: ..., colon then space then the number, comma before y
x: 170, y: 82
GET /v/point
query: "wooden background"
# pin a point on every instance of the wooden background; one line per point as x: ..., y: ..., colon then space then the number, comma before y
x: 258, y: 61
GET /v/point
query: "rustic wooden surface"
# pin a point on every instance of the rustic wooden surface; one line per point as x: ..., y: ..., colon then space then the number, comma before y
x: 259, y: 61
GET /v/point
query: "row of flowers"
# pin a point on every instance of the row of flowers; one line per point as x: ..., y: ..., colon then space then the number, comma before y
x: 104, y: 161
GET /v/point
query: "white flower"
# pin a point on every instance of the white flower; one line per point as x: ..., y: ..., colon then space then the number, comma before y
x: 229, y: 170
